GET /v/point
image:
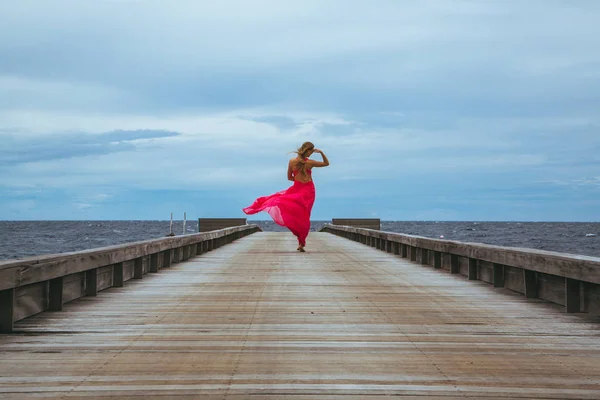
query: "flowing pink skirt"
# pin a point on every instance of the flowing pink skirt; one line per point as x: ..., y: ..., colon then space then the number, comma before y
x: 290, y: 208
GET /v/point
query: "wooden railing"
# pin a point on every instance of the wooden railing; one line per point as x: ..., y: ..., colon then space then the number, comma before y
x: 32, y: 285
x: 569, y: 280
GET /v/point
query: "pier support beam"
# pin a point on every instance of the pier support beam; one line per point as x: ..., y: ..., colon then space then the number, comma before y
x: 498, y: 275
x: 166, y: 258
x: 572, y: 295
x: 437, y: 259
x: 118, y: 278
x: 91, y: 282
x: 153, y: 267
x: 531, y: 287
x: 454, y: 264
x: 7, y: 310
x: 472, y: 269
x: 55, y: 294
x: 138, y: 268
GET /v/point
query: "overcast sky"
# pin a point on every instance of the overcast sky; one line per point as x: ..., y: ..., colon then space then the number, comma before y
x: 427, y: 110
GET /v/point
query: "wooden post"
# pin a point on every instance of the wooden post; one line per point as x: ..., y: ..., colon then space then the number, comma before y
x: 199, y: 248
x: 7, y: 310
x: 389, y: 246
x: 210, y: 245
x: 454, y: 264
x: 413, y: 253
x: 404, y: 251
x: 531, y: 288
x: 437, y: 259
x: 186, y: 253
x: 118, y: 278
x: 472, y: 269
x: 55, y: 294
x: 424, y: 257
x: 91, y: 282
x: 166, y: 258
x: 176, y: 256
x: 396, y: 246
x: 572, y: 295
x: 138, y: 268
x: 498, y: 275
x: 153, y: 267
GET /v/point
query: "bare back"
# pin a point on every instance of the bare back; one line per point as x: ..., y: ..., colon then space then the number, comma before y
x: 295, y: 167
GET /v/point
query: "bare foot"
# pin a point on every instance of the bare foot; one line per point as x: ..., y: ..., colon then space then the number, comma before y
x: 301, y: 249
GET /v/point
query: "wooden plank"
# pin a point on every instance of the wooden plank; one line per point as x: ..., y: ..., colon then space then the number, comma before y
x: 73, y: 287
x: 212, y: 224
x: 343, y: 321
x: 104, y: 278
x: 583, y: 268
x: 30, y: 300
x: 368, y: 223
x: 44, y: 268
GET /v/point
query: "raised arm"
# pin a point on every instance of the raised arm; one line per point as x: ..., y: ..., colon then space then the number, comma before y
x: 323, y: 163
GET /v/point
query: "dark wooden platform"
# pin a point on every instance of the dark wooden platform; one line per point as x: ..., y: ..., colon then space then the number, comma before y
x: 256, y: 319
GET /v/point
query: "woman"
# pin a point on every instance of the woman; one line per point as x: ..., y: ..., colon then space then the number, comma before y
x: 291, y: 208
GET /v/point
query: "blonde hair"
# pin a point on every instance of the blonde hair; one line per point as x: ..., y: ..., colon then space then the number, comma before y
x: 301, y: 152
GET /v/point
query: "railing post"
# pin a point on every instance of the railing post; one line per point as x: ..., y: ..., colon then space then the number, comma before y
x: 153, y: 267
x: 91, y: 282
x: 413, y: 253
x: 138, y: 268
x: 404, y: 250
x: 530, y: 279
x: 454, y: 264
x: 472, y: 269
x: 424, y: 257
x: 166, y: 258
x: 437, y: 259
x: 572, y: 295
x: 118, y: 278
x: 396, y: 249
x: 176, y: 256
x: 498, y: 275
x: 7, y: 310
x: 199, y: 249
x: 55, y: 294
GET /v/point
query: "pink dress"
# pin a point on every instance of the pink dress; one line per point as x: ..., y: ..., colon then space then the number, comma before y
x: 290, y: 208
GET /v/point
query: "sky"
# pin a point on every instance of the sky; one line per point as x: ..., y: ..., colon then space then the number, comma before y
x: 427, y: 110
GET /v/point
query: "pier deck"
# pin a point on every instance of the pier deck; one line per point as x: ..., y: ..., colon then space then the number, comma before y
x: 256, y: 319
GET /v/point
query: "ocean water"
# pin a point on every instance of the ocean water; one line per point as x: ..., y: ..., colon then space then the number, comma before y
x: 20, y: 239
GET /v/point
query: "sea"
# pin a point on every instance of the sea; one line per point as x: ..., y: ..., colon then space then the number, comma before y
x: 19, y: 239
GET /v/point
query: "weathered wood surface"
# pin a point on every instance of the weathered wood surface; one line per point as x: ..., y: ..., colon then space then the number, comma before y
x: 213, y: 224
x: 256, y: 319
x: 583, y: 268
x: 367, y: 223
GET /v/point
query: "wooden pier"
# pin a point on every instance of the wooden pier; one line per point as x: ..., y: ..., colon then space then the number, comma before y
x: 256, y: 319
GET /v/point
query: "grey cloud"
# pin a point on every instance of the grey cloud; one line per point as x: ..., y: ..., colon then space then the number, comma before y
x: 17, y: 150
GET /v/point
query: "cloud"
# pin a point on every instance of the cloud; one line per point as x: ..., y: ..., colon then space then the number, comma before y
x: 101, y: 103
x: 18, y: 149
